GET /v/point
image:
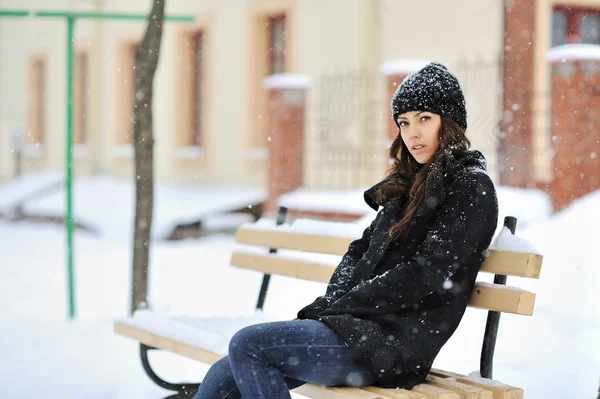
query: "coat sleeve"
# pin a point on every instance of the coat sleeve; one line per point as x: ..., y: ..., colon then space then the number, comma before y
x: 341, y: 280
x: 468, y: 217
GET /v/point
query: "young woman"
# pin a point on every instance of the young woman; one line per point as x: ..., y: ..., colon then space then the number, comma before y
x: 402, y: 288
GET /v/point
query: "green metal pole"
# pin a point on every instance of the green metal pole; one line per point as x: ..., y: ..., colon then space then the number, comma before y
x: 69, y: 166
x: 89, y: 15
x: 71, y: 18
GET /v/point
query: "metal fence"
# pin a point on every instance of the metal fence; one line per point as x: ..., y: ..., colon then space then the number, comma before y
x: 482, y: 83
x: 349, y: 116
x: 344, y: 149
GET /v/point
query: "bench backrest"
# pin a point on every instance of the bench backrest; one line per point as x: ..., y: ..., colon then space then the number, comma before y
x: 314, y: 257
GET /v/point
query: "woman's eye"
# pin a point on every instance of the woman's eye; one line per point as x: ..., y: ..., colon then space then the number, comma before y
x: 425, y: 118
x: 402, y: 123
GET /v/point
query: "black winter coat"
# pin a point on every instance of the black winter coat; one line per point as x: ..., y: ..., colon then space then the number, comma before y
x: 395, y: 305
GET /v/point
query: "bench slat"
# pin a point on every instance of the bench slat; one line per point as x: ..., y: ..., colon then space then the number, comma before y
x: 485, y: 296
x: 280, y: 265
x: 322, y: 392
x: 157, y: 341
x: 502, y: 299
x: 396, y: 393
x: 518, y: 264
x: 500, y: 391
x: 463, y: 390
x: 433, y: 392
x: 507, y: 263
x: 319, y: 243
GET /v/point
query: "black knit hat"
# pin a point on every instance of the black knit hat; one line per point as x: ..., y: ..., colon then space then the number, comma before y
x: 434, y: 89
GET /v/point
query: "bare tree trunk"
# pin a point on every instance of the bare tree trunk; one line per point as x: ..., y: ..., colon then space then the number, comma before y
x: 146, y: 61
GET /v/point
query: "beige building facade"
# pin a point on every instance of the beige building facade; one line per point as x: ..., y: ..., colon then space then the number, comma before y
x: 209, y: 100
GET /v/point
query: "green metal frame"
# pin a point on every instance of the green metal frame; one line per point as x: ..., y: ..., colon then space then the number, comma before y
x: 71, y: 18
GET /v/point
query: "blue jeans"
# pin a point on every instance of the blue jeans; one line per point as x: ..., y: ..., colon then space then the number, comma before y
x: 268, y: 360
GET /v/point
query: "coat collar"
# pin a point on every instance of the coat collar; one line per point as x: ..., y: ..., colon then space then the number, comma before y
x: 435, y: 190
x: 435, y: 194
x: 370, y: 195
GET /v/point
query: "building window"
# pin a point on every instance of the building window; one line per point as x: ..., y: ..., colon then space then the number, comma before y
x: 37, y: 102
x: 125, y: 84
x: 192, y: 88
x: 82, y: 98
x: 271, y: 51
x: 575, y: 25
x: 274, y: 41
x: 277, y: 39
x: 130, y: 82
x: 590, y: 28
x: 197, y: 56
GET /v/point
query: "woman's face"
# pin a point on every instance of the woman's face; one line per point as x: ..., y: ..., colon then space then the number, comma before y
x: 420, y: 131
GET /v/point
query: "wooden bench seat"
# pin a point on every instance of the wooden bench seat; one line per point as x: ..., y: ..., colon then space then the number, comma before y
x: 313, y: 256
x: 194, y: 338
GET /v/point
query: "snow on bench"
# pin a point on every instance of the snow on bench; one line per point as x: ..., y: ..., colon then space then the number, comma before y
x: 203, y: 338
x: 207, y: 339
x: 174, y: 204
x: 506, y: 241
x: 310, y: 226
x: 23, y: 188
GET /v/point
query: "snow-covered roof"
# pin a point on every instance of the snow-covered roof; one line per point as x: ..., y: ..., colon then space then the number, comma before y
x: 287, y: 81
x: 347, y: 201
x: 571, y: 52
x: 403, y: 66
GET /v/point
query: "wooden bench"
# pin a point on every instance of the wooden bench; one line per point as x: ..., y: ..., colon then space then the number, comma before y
x: 303, y: 258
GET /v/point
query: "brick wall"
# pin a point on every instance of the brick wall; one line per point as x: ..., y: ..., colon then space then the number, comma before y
x: 286, y: 105
x: 516, y: 142
x: 575, y: 130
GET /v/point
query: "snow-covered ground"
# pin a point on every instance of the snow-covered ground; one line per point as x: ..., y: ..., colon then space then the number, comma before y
x: 17, y: 190
x: 105, y: 204
x: 554, y: 354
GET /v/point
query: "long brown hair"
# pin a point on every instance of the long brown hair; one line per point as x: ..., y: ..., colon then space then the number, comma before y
x: 407, y: 178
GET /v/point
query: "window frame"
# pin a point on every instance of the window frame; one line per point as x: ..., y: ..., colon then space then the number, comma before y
x: 37, y: 91
x: 259, y: 60
x: 193, y: 89
x: 573, y: 15
x: 196, y: 132
x: 124, y: 79
x: 276, y: 55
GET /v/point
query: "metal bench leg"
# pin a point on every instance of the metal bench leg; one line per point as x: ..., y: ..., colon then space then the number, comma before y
x: 281, y: 215
x: 263, y: 291
x: 185, y: 390
x: 493, y: 321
